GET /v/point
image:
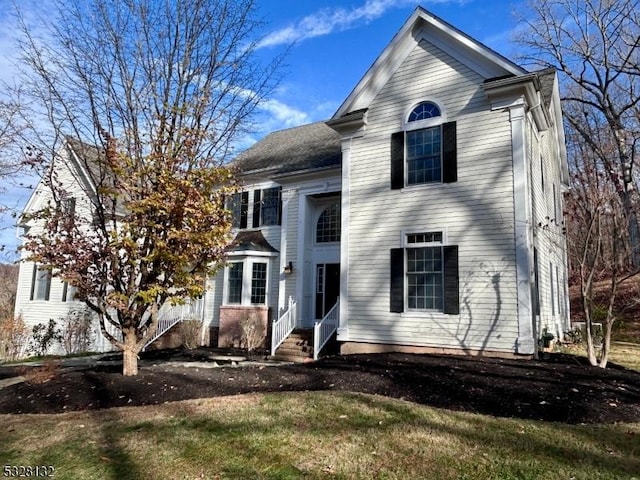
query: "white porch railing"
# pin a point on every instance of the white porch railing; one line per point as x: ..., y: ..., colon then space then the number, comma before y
x: 323, y: 329
x: 170, y: 315
x: 281, y: 328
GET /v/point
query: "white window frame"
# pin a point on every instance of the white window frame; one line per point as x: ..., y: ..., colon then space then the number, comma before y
x: 406, y: 245
x: 247, y: 274
x: 316, y: 218
x: 416, y: 125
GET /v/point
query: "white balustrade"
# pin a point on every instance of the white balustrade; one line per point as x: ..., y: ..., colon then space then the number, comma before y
x: 281, y: 328
x: 323, y: 329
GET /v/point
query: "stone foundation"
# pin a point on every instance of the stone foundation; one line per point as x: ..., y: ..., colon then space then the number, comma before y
x: 231, y: 319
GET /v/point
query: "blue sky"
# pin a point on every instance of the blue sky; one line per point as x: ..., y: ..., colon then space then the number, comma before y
x: 334, y: 43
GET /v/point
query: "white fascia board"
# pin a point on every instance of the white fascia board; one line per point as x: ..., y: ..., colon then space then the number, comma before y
x: 78, y: 162
x: 559, y: 124
x: 469, y: 52
x: 422, y: 25
x: 382, y: 69
x: 502, y: 92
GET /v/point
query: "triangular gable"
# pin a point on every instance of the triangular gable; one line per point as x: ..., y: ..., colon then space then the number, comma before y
x: 69, y: 156
x: 420, y: 26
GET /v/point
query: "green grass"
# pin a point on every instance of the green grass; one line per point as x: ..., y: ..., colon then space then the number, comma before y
x: 624, y: 354
x: 321, y: 435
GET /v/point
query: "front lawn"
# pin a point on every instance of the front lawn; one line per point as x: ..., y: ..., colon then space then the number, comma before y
x: 313, y: 436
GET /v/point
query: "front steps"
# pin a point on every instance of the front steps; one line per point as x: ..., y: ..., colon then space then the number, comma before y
x: 297, y: 347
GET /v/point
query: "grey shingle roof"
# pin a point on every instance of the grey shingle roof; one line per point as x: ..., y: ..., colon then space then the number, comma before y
x: 308, y: 147
x: 251, y: 240
x: 546, y: 77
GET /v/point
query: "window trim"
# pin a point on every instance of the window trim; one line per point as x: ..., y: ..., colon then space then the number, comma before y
x: 420, y: 245
x: 448, y: 148
x: 258, y: 207
x: 35, y: 284
x: 409, y: 126
x: 316, y: 218
x: 450, y: 272
x: 247, y: 262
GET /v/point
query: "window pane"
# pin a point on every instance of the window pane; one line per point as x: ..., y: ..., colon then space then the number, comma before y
x: 328, y: 228
x: 270, y: 206
x: 424, y: 278
x: 43, y: 287
x: 259, y: 283
x: 423, y: 155
x: 235, y: 206
x: 424, y: 111
x: 235, y: 283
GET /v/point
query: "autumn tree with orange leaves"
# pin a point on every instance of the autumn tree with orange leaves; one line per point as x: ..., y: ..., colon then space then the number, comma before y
x: 149, y: 96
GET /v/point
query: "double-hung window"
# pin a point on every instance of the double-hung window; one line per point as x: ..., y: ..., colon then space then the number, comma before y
x: 425, y: 150
x: 238, y: 205
x: 247, y: 282
x: 267, y: 207
x: 424, y: 274
x: 424, y: 271
x: 40, y: 283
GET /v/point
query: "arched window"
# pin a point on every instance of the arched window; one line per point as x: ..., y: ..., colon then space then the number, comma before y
x: 424, y: 111
x: 424, y: 145
x: 328, y: 226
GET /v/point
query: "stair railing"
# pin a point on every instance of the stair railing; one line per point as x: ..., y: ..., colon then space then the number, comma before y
x: 170, y: 315
x: 323, y: 329
x: 282, y: 328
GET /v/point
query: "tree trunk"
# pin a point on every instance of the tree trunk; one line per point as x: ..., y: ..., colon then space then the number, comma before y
x: 606, y: 344
x: 130, y: 353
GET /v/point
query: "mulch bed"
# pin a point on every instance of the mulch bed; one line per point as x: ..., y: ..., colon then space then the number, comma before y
x: 561, y: 388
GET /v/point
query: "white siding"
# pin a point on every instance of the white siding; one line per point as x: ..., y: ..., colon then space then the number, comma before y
x: 549, y: 237
x: 477, y: 213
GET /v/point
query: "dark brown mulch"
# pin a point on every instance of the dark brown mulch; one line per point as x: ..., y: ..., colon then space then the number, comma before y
x: 561, y: 388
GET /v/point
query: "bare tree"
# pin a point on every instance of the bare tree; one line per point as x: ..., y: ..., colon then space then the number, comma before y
x: 595, y: 45
x: 11, y: 127
x: 150, y: 95
x: 597, y: 239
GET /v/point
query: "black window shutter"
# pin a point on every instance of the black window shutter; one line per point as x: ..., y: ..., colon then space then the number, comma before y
x: 397, y: 280
x: 397, y: 160
x: 33, y: 281
x: 451, y: 288
x: 244, y: 209
x: 280, y: 206
x: 449, y: 153
x: 256, y: 208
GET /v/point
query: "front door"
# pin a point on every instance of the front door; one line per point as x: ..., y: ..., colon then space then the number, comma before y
x: 327, y: 287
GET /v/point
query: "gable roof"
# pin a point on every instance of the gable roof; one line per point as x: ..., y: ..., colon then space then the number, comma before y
x: 423, y: 25
x: 305, y: 148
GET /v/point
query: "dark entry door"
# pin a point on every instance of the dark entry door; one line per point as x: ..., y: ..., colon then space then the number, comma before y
x: 327, y: 287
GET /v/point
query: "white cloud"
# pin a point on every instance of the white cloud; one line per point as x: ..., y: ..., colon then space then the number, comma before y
x: 329, y: 20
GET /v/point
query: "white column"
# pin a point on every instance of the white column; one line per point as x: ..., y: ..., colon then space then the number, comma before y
x: 343, y: 326
x: 282, y: 299
x: 524, y: 246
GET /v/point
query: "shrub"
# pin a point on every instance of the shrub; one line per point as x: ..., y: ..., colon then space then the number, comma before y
x: 42, y: 374
x: 252, y: 332
x: 76, y: 334
x: 44, y: 336
x: 13, y: 337
x: 190, y: 333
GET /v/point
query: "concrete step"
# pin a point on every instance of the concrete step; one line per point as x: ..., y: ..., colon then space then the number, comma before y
x: 294, y: 351
x: 291, y: 358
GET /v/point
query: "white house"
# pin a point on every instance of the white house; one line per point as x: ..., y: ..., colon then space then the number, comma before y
x: 424, y: 216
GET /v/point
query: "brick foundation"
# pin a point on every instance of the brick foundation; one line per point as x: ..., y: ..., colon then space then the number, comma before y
x: 231, y: 318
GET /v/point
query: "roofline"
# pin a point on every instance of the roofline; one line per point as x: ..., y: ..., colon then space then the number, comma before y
x: 387, y: 56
